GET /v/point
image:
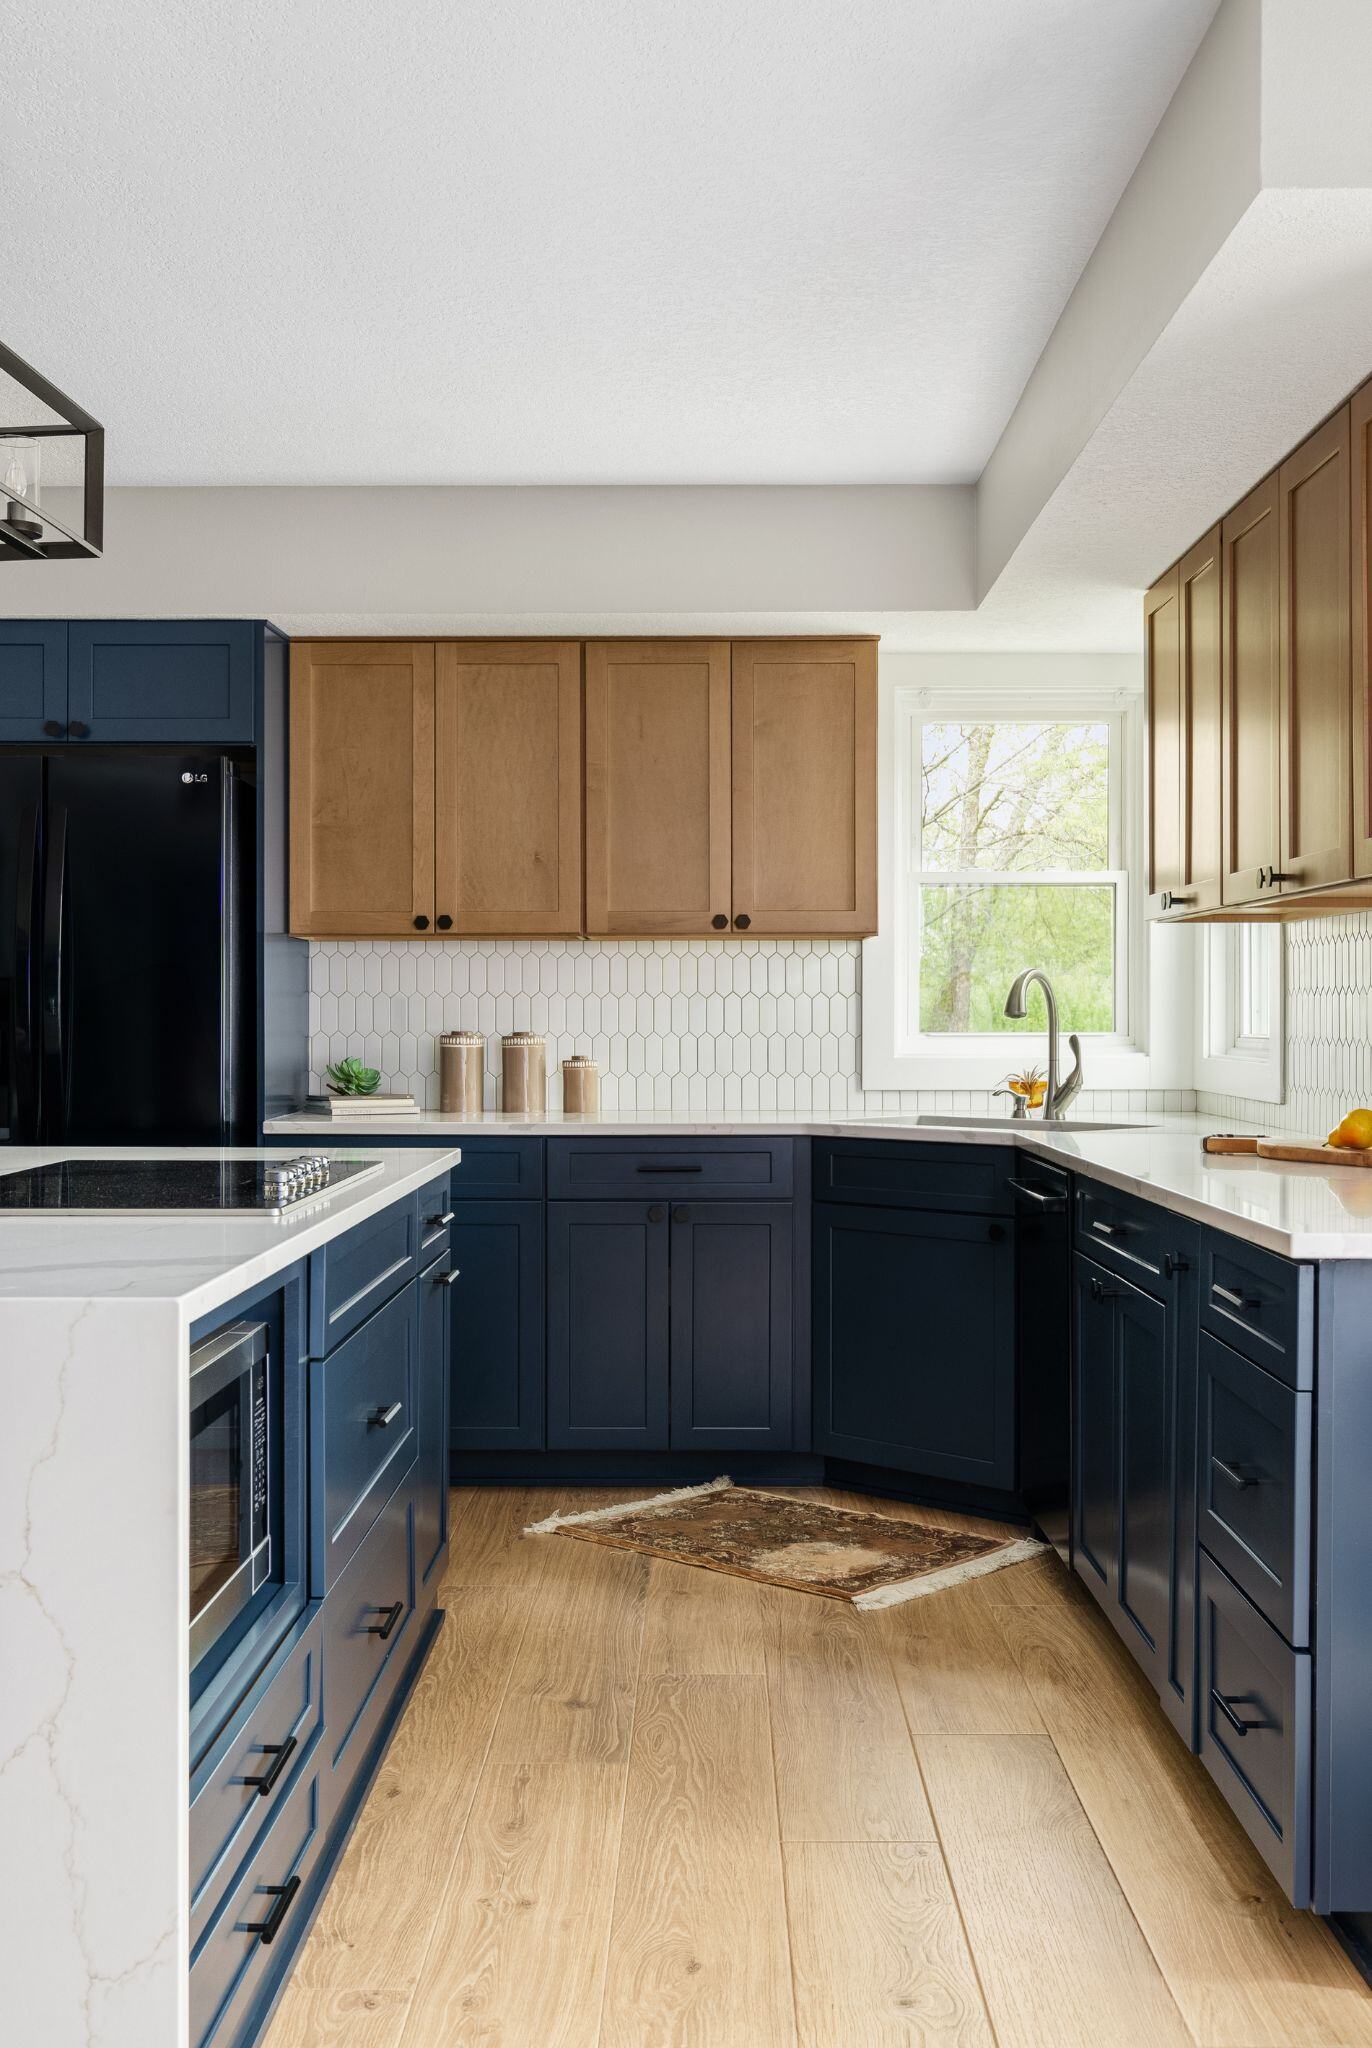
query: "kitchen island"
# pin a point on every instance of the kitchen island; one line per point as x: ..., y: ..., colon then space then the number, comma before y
x: 96, y: 1730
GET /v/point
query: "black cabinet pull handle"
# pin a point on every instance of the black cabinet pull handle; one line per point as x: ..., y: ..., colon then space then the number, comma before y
x: 447, y: 1279
x: 54, y: 728
x: 1100, y: 1292
x: 1104, y: 1229
x: 720, y: 921
x: 1237, y: 1478
x: 444, y: 923
x: 385, y: 1629
x: 438, y: 1222
x: 421, y: 924
x: 78, y: 730
x: 669, y: 1169
x: 743, y: 920
x: 1232, y: 1300
x: 382, y: 1418
x: 280, y: 1754
x: 1276, y: 876
x: 282, y: 1895
x: 1173, y: 1263
x: 1227, y: 1706
x: 656, y: 1213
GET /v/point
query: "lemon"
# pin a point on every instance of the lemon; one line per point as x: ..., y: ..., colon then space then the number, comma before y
x: 1355, y: 1132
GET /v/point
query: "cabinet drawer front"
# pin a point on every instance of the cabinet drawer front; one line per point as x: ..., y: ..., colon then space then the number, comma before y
x: 434, y: 1210
x: 250, y: 1941
x: 494, y: 1168
x: 270, y: 1742
x: 1251, y: 1681
x: 160, y: 680
x: 353, y: 1276
x: 1131, y: 1237
x: 957, y: 1179
x: 379, y: 1580
x: 606, y: 1169
x: 364, y: 1396
x: 1262, y: 1305
x: 1254, y: 1480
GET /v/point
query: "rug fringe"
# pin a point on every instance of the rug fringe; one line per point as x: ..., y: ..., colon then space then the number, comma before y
x: 953, y: 1575
x: 627, y: 1507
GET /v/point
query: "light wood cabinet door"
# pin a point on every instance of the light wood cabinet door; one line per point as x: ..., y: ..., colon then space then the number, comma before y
x: 1200, y: 585
x: 1360, y: 459
x: 1250, y: 744
x: 1316, y: 754
x: 657, y: 787
x: 804, y: 786
x: 507, y: 826
x: 1162, y: 643
x: 362, y: 788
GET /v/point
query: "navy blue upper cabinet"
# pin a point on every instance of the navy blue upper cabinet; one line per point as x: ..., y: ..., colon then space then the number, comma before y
x: 607, y: 1325
x: 732, y: 1339
x: 33, y: 680
x: 914, y: 1348
x: 189, y: 682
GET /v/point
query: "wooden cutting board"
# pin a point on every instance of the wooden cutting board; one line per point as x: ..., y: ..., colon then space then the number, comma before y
x: 1298, y: 1153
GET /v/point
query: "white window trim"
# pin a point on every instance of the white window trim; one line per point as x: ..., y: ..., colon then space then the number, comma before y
x: 1227, y: 1064
x: 1155, y: 971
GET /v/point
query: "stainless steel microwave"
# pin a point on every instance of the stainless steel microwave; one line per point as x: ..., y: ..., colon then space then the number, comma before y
x: 234, y: 1526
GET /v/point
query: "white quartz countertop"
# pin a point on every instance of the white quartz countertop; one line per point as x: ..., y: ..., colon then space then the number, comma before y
x: 195, y: 1261
x: 1304, y: 1212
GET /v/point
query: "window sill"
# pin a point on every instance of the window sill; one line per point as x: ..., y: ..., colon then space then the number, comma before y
x: 1112, y: 1066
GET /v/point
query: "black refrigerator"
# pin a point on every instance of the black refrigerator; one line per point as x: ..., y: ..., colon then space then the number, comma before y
x: 127, y: 946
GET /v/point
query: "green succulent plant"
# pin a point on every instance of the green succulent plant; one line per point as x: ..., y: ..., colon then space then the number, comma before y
x: 350, y: 1077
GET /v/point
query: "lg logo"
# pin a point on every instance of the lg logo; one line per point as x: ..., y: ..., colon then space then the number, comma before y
x: 194, y: 775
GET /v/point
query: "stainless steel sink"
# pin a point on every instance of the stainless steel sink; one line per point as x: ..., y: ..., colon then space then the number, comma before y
x: 1005, y: 1123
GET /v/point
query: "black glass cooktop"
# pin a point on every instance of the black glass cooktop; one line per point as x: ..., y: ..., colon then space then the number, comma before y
x: 257, y: 1187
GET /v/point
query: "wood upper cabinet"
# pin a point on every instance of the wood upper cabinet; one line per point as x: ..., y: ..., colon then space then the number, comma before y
x: 657, y: 787
x: 1182, y: 621
x: 1250, y: 745
x: 507, y: 819
x: 1162, y: 632
x: 362, y: 787
x: 804, y: 786
x: 1360, y: 464
x: 1316, y: 758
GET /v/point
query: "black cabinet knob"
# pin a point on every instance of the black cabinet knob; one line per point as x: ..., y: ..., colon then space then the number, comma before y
x: 78, y: 730
x: 743, y: 920
x: 719, y: 921
x: 656, y: 1213
x: 681, y: 1215
x: 996, y: 1232
x: 445, y: 924
x: 54, y: 728
x: 421, y: 924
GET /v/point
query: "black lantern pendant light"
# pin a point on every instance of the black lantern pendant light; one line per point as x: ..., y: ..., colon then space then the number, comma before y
x: 29, y: 530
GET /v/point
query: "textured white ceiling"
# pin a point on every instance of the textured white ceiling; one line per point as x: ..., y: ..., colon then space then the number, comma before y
x: 515, y: 241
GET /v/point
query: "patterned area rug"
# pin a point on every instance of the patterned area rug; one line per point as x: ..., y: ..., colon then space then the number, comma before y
x: 870, y: 1560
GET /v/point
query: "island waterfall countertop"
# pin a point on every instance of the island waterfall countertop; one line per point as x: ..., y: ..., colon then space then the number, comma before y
x: 1303, y: 1212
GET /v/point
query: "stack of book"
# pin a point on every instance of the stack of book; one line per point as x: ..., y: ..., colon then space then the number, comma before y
x: 349, y: 1107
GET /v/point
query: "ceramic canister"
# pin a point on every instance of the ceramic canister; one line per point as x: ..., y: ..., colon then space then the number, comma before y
x: 580, y: 1086
x: 461, y: 1059
x: 524, y: 1073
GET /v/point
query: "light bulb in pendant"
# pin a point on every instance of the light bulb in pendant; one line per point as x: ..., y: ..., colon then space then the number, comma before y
x: 19, y: 488
x: 17, y: 478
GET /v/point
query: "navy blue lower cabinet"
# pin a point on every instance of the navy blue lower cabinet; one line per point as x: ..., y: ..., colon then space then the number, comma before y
x: 731, y: 1325
x: 33, y: 680
x: 1146, y: 1400
x: 434, y: 1289
x: 914, y: 1344
x: 608, y: 1280
x: 497, y: 1305
x: 362, y: 1431
x: 1095, y: 1412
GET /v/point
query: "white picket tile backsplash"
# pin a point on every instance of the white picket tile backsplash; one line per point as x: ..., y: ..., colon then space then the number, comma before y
x: 1328, y: 978
x: 702, y: 1028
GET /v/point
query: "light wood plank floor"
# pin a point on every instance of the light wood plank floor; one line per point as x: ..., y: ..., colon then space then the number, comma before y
x: 635, y: 1805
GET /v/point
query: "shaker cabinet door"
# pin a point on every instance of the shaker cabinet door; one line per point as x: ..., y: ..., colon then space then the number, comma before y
x: 507, y: 815
x: 657, y: 787
x: 1250, y: 744
x: 362, y: 788
x: 1162, y: 642
x: 1316, y: 759
x: 804, y: 786
x: 608, y: 1325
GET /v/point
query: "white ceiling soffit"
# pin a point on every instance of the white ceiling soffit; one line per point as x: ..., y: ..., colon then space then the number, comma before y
x: 515, y: 241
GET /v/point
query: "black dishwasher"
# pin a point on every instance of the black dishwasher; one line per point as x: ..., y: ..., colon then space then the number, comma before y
x: 1043, y: 1345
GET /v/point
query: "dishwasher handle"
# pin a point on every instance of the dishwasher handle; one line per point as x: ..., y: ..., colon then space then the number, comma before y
x: 1019, y: 1187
